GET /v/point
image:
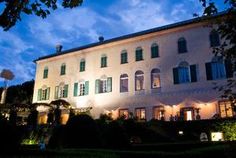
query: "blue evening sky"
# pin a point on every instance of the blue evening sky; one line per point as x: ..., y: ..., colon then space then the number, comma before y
x: 34, y: 37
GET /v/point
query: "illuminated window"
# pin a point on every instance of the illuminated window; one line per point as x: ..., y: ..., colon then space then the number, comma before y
x: 187, y: 113
x: 140, y: 113
x: 124, y: 57
x: 82, y: 65
x: 182, y: 45
x: 81, y: 88
x: 214, y: 38
x: 61, y: 91
x: 185, y: 73
x: 63, y: 69
x: 43, y: 94
x: 159, y: 113
x: 154, y: 50
x: 45, y: 72
x: 124, y: 113
x: 124, y: 85
x: 225, y: 109
x: 103, y: 85
x: 104, y: 61
x: 139, y: 80
x: 155, y: 78
x: 139, y: 54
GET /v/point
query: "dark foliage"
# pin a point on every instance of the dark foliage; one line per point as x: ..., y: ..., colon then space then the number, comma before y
x: 81, y: 131
x: 56, y: 139
x: 32, y: 119
x: 13, y: 9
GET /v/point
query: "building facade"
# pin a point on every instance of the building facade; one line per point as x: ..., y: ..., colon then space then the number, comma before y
x: 165, y: 73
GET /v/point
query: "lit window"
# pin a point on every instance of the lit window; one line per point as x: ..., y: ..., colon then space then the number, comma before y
x: 159, y: 113
x: 43, y: 94
x: 225, y: 108
x: 61, y: 91
x: 124, y: 83
x: 139, y: 54
x: 124, y: 113
x: 140, y: 113
x: 182, y: 45
x: 155, y: 78
x: 81, y: 88
x: 139, y: 80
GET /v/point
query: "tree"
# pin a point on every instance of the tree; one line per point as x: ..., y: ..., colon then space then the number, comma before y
x: 227, y: 50
x: 7, y: 75
x: 13, y: 9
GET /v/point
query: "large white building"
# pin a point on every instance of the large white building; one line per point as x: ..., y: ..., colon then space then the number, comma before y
x: 160, y: 73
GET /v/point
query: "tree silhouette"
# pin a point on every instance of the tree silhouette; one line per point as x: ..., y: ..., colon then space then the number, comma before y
x: 13, y: 9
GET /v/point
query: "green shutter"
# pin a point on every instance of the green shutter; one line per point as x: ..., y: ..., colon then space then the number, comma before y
x: 154, y: 52
x: 229, y: 68
x: 193, y: 72
x: 66, y: 91
x: 208, y: 71
x: 48, y: 93
x: 56, y: 92
x: 97, y: 86
x: 109, y: 84
x: 45, y: 73
x: 39, y: 94
x: 175, y: 75
x: 105, y: 61
x: 75, y: 89
x: 86, y: 90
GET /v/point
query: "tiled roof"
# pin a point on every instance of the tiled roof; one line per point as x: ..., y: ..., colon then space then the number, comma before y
x: 157, y: 29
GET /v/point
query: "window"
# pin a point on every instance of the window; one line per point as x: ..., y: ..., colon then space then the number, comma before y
x: 139, y: 54
x: 225, y: 108
x: 61, y: 91
x: 158, y: 112
x: 155, y: 79
x: 104, y: 61
x: 140, y: 113
x: 154, y: 50
x: 187, y: 113
x: 139, y: 80
x: 214, y: 38
x: 124, y: 85
x: 124, y: 113
x: 45, y: 72
x: 63, y: 69
x: 182, y: 45
x: 219, y: 69
x: 124, y: 57
x: 43, y: 94
x: 185, y: 73
x: 82, y: 65
x: 103, y: 85
x: 81, y: 88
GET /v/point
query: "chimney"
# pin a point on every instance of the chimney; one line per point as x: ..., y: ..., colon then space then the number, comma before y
x: 58, y: 48
x: 101, y: 38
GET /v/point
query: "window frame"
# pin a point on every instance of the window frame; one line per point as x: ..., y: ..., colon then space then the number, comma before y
x: 139, y: 54
x: 154, y: 47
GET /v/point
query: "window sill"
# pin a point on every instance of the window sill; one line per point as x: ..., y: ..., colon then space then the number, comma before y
x: 124, y: 63
x: 140, y: 92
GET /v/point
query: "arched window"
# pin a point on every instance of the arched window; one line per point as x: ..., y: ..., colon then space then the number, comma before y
x: 185, y: 73
x: 154, y: 50
x: 45, y: 72
x: 82, y: 65
x: 139, y: 80
x: 155, y: 79
x: 123, y: 57
x: 182, y: 45
x: 63, y: 69
x: 103, y: 85
x: 138, y: 54
x: 103, y: 60
x: 124, y: 83
x: 214, y: 38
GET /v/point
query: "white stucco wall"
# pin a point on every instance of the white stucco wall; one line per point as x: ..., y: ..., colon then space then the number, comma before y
x: 199, y: 52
